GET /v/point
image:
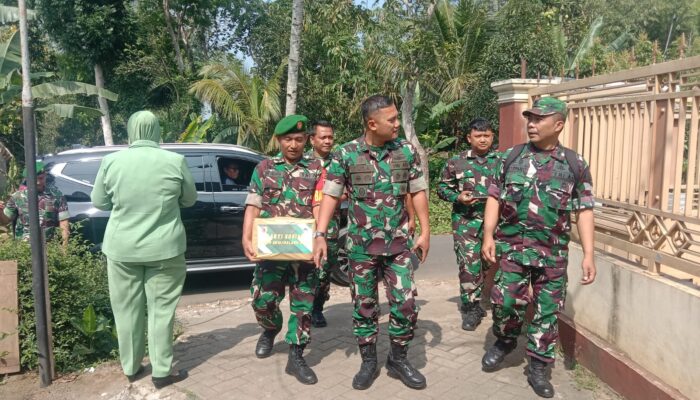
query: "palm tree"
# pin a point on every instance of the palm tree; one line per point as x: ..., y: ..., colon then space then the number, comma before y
x: 246, y: 101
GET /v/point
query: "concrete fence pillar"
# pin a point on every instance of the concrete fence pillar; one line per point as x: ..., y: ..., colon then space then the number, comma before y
x: 513, y: 99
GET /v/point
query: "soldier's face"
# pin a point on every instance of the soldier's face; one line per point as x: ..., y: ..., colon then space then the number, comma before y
x: 384, y: 123
x: 322, y: 141
x: 481, y: 141
x: 292, y: 146
x: 544, y: 131
x: 41, y: 181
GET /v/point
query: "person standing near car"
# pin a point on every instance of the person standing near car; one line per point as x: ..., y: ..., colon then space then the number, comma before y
x: 322, y: 139
x: 283, y: 186
x: 464, y: 182
x: 379, y: 171
x: 53, y: 209
x: 144, y: 187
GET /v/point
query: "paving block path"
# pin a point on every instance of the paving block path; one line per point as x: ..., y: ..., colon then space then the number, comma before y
x: 218, y: 344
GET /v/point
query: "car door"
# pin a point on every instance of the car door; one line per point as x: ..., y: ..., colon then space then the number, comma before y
x: 230, y: 202
x: 200, y: 219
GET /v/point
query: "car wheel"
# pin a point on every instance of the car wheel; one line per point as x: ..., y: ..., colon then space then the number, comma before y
x: 339, y: 272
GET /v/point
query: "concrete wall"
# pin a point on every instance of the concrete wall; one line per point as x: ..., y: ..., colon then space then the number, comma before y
x: 652, y: 320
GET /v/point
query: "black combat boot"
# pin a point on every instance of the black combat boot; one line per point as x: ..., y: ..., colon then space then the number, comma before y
x: 265, y: 342
x: 160, y: 383
x: 368, y: 370
x: 495, y: 354
x: 296, y: 365
x: 537, y: 378
x: 473, y: 313
x: 399, y: 367
x: 317, y: 318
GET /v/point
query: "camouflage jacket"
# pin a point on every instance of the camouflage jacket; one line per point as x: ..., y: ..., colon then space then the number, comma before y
x: 470, y: 172
x: 377, y: 180
x: 537, y: 196
x: 334, y: 223
x: 52, y: 209
x: 281, y: 189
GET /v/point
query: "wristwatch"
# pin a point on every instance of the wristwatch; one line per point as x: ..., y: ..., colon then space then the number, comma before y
x: 319, y: 234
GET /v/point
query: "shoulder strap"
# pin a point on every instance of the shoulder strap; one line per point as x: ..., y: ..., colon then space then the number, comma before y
x: 517, y: 150
x: 572, y: 160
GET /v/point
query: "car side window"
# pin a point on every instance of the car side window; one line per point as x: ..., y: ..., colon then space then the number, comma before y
x: 196, y: 165
x: 83, y: 171
x: 235, y: 173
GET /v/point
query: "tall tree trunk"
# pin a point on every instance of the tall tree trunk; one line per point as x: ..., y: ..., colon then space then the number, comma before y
x: 294, y: 45
x: 409, y: 128
x: 173, y: 37
x: 104, y: 107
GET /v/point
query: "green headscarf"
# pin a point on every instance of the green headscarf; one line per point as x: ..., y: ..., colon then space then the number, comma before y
x: 143, y: 125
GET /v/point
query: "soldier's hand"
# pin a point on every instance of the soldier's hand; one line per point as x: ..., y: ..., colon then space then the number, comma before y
x: 250, y: 251
x: 589, y: 271
x: 488, y: 250
x: 320, y: 251
x: 421, y: 247
x: 465, y: 198
x: 2, y: 205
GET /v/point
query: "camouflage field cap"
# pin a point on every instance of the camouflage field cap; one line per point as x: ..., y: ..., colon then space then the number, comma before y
x: 39, y: 169
x: 294, y: 123
x: 547, y: 106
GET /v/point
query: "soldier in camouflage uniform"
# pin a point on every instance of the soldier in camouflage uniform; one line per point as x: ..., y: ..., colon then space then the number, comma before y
x: 464, y: 182
x: 53, y: 209
x: 283, y: 186
x: 536, y: 192
x: 321, y: 138
x: 378, y: 172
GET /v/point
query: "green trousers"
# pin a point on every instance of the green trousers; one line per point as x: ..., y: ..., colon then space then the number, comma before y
x: 134, y: 288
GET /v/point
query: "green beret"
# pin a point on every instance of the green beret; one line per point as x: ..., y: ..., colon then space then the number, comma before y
x: 294, y: 123
x: 39, y: 169
x: 547, y: 106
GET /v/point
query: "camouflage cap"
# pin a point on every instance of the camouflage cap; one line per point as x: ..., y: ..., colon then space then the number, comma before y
x: 547, y: 106
x: 294, y: 123
x: 39, y: 169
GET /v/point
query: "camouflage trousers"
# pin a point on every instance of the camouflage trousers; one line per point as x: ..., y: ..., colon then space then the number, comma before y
x: 511, y: 295
x: 270, y: 280
x: 324, y: 274
x: 472, y: 269
x: 397, y: 272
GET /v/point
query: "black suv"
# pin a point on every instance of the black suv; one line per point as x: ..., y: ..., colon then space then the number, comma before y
x: 214, y: 224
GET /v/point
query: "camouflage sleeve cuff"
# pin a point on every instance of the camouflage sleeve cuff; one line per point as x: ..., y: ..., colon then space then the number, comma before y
x: 254, y: 199
x: 63, y: 215
x: 417, y: 185
x: 9, y: 212
x: 333, y: 189
x: 495, y: 191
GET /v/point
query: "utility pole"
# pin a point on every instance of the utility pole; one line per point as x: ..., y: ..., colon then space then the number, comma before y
x: 35, y: 234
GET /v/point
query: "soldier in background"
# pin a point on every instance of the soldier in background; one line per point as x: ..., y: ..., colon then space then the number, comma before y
x: 378, y: 172
x: 283, y: 186
x: 537, y: 188
x: 53, y: 209
x: 322, y: 139
x: 464, y: 182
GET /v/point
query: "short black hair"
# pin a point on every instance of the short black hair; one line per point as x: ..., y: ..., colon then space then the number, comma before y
x: 374, y: 103
x: 480, y: 125
x: 320, y: 122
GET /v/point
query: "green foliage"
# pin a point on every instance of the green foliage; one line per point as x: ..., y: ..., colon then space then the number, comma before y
x: 440, y: 215
x: 77, y: 281
x: 100, y: 334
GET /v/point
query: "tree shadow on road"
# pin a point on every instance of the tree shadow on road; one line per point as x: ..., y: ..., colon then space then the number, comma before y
x: 192, y: 351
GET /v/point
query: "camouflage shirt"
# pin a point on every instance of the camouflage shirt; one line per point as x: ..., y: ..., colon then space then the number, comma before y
x: 377, y: 180
x: 537, y: 196
x: 52, y: 209
x: 473, y: 173
x: 334, y: 223
x: 280, y: 189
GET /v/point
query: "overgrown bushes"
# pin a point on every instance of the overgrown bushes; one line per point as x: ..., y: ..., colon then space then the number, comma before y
x: 80, y: 308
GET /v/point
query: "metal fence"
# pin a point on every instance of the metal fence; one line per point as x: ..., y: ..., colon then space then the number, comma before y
x: 638, y: 129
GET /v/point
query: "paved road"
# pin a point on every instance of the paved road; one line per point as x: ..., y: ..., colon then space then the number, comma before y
x: 213, y: 286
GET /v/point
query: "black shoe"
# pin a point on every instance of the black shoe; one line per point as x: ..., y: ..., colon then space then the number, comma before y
x: 296, y: 365
x: 537, y: 378
x: 160, y: 383
x: 495, y: 354
x: 136, y: 376
x: 265, y: 342
x: 399, y: 367
x: 368, y: 370
x: 473, y: 313
x: 317, y: 318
